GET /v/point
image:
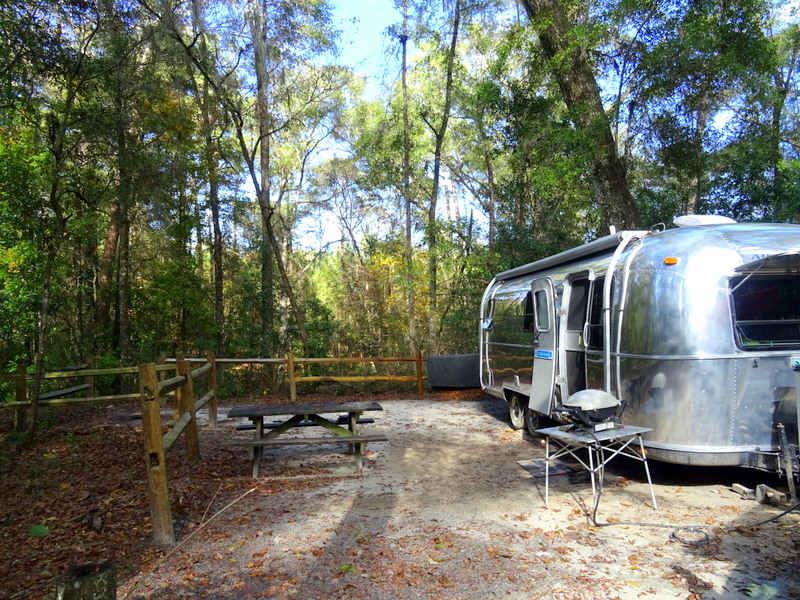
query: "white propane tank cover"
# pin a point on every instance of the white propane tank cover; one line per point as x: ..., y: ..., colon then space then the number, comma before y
x: 659, y: 381
x: 591, y: 400
x: 696, y: 220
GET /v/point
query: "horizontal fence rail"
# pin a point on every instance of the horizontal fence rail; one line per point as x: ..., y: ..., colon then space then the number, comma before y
x: 291, y: 362
x: 210, y: 364
x: 294, y: 379
x: 49, y: 398
x: 56, y: 398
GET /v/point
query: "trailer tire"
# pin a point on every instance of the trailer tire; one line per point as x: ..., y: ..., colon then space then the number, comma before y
x: 517, y: 407
x: 533, y: 421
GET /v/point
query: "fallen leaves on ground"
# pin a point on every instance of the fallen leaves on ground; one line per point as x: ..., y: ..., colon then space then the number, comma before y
x: 78, y: 493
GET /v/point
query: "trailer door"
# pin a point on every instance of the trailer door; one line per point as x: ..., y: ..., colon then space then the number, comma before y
x: 544, y: 346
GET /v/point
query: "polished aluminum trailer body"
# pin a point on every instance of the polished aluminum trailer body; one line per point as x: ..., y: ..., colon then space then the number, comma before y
x: 696, y: 330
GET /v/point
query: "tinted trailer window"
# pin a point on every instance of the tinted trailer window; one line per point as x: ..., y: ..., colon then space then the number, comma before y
x: 766, y: 311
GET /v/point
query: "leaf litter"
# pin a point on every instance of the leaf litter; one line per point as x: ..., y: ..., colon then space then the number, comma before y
x: 442, y: 511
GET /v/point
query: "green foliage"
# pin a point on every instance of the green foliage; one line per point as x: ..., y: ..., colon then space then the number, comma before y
x: 242, y: 284
x: 365, y: 301
x: 21, y: 244
x: 321, y: 328
x: 690, y: 73
x: 110, y: 120
x: 107, y: 384
x: 469, y: 268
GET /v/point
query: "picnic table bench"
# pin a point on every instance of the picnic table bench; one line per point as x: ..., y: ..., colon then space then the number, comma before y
x: 342, y: 420
x: 303, y: 415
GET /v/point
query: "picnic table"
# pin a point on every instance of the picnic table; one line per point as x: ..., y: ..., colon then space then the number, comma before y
x: 302, y: 415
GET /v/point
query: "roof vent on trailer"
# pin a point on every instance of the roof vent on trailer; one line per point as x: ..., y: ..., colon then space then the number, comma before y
x: 697, y: 220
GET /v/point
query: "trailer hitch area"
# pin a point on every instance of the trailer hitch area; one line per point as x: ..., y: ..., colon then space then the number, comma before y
x: 789, y: 458
x: 763, y: 494
x: 768, y: 495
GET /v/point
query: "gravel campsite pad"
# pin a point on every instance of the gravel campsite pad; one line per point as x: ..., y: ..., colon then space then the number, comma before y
x: 444, y: 510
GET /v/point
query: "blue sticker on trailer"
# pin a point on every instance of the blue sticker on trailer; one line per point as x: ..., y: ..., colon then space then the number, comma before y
x: 796, y: 363
x: 548, y: 354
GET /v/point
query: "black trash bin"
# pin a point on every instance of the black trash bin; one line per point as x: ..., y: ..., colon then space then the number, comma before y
x: 454, y: 371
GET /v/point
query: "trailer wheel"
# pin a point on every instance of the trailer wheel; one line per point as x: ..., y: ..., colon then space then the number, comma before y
x: 516, y: 410
x: 533, y: 421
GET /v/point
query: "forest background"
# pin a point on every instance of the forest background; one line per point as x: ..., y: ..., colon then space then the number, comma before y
x: 191, y: 175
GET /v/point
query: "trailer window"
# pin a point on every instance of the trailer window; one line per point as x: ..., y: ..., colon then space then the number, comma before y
x: 596, y: 322
x: 766, y: 311
x: 542, y: 313
x: 578, y: 296
x: 528, y: 316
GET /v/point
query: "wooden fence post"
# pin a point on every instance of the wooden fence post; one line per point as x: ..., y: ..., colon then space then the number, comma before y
x: 157, y: 489
x: 212, y: 385
x: 420, y: 388
x: 290, y: 374
x: 186, y: 404
x: 89, y: 379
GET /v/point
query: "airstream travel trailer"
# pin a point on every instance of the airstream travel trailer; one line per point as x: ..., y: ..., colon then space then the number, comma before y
x: 694, y: 330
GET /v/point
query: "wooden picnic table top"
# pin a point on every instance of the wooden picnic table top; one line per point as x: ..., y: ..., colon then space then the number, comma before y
x: 302, y: 409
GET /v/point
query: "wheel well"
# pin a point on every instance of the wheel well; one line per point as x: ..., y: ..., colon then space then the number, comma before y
x: 507, y: 393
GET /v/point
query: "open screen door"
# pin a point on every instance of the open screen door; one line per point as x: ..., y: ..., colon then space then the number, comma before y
x: 544, y: 347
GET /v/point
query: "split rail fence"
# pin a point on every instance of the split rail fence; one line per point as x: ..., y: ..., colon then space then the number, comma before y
x: 56, y: 398
x: 157, y: 444
x: 153, y: 394
x: 291, y: 364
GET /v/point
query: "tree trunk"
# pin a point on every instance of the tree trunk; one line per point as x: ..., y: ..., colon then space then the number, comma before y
x: 219, y: 305
x: 783, y: 86
x: 56, y: 238
x: 440, y: 133
x: 263, y: 183
x: 199, y: 258
x: 212, y: 169
x: 288, y: 288
x: 41, y: 342
x: 409, y: 249
x: 105, y: 271
x: 256, y: 19
x: 270, y: 249
x: 577, y: 82
x: 124, y: 192
x: 486, y: 146
x: 86, y: 263
x: 700, y: 177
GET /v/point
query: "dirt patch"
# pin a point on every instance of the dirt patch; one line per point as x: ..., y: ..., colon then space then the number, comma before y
x: 443, y: 510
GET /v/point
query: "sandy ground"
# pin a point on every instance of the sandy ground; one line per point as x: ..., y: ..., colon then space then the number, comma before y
x: 444, y: 510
